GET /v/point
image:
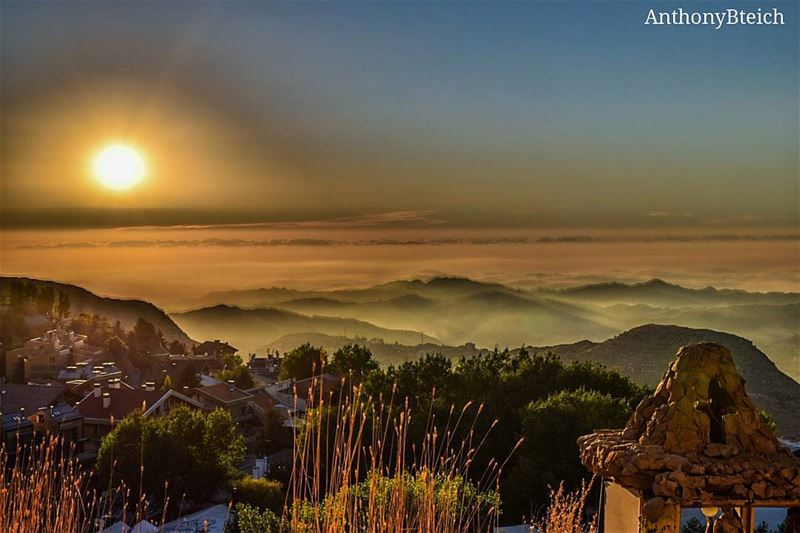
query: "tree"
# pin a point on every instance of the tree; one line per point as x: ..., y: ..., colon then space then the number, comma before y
x: 186, y: 451
x: 188, y: 377
x: 167, y: 385
x: 116, y: 350
x: 262, y: 493
x: 549, y: 454
x: 303, y: 362
x: 45, y: 300
x: 250, y: 520
x: 177, y: 347
x: 353, y: 360
x: 63, y: 305
x: 274, y: 436
x: 240, y: 375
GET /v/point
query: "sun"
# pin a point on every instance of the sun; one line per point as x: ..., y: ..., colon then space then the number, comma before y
x: 118, y: 167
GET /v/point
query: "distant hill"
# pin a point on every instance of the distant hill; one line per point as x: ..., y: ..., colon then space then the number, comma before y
x: 460, y: 310
x: 251, y: 329
x: 126, y: 311
x: 644, y: 353
x: 659, y: 293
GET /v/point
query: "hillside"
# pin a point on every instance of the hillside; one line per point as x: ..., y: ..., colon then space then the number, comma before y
x: 126, y: 311
x: 460, y: 310
x: 251, y: 329
x: 644, y: 353
x: 660, y: 293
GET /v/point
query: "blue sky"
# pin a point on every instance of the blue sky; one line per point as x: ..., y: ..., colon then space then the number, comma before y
x: 567, y: 111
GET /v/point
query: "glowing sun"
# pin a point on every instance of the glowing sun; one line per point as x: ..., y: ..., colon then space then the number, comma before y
x: 118, y: 167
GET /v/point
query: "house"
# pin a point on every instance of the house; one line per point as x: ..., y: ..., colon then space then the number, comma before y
x: 62, y: 420
x: 698, y: 442
x: 267, y: 366
x: 19, y: 406
x: 42, y: 357
x: 215, y: 348
x: 103, y: 409
x: 297, y: 393
x: 225, y: 396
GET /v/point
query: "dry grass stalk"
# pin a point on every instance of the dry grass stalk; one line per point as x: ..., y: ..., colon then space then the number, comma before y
x: 370, y: 441
x: 565, y: 513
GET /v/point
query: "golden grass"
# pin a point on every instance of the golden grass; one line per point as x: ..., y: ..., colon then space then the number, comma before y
x: 371, y: 484
x: 565, y: 513
x: 44, y: 492
x: 365, y: 476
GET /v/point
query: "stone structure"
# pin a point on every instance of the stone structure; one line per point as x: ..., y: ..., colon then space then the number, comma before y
x: 697, y: 441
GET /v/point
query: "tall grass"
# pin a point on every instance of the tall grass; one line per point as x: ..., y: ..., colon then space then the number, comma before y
x: 44, y: 491
x: 566, y: 512
x: 356, y: 469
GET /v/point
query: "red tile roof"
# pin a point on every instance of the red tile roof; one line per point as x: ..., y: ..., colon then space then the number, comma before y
x: 123, y: 402
x: 222, y: 392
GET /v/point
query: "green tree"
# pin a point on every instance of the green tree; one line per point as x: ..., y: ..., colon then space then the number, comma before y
x: 303, y: 362
x: 274, y: 436
x: 250, y: 520
x: 240, y: 375
x: 116, y: 350
x: 167, y: 385
x: 187, y: 451
x: 549, y: 453
x: 262, y: 493
x: 693, y: 525
x: 353, y: 360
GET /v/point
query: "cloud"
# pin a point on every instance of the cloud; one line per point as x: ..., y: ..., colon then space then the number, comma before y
x: 230, y: 242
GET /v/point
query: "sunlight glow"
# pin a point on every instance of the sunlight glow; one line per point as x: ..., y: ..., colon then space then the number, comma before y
x: 118, y: 167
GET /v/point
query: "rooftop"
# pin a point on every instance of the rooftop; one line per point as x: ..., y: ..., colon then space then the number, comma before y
x: 224, y: 392
x: 123, y: 402
x: 30, y: 397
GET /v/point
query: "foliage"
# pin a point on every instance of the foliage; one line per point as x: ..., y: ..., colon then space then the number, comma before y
x: 550, y: 427
x: 116, y: 349
x: 261, y: 493
x: 303, y: 362
x: 354, y: 360
x: 186, y: 451
x: 505, y: 383
x: 250, y: 519
x: 274, y: 436
x: 234, y: 369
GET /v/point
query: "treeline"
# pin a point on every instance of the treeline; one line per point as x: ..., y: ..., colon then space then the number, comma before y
x: 22, y: 299
x: 522, y: 395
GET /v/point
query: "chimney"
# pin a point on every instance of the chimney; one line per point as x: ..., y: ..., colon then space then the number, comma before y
x: 97, y: 389
x: 150, y: 386
x: 186, y: 389
x: 113, y: 383
x: 106, y: 400
x: 231, y: 385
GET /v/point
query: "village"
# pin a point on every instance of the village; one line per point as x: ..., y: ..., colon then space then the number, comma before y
x: 63, y: 387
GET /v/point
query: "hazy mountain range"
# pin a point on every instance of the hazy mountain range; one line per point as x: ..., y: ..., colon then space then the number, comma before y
x: 581, y: 324
x: 457, y: 310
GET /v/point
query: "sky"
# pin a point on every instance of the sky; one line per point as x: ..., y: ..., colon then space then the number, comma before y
x: 474, y: 114
x: 346, y: 143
